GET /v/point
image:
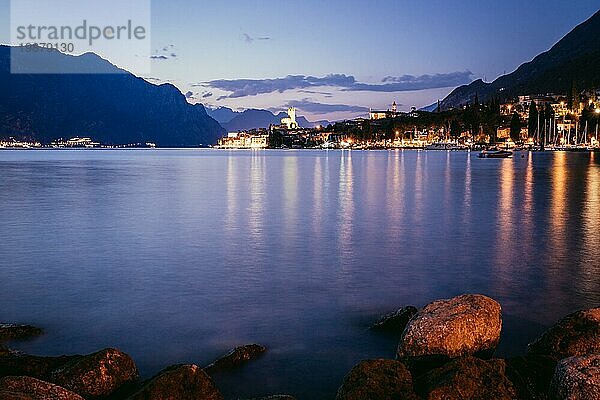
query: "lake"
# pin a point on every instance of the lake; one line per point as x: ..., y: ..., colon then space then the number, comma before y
x: 178, y: 255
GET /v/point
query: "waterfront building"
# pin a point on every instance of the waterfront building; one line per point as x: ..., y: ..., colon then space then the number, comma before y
x: 390, y: 113
x: 245, y: 140
x: 290, y: 121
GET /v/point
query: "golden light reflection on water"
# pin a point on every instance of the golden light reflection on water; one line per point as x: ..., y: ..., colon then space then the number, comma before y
x: 256, y: 215
x: 505, y: 218
x: 558, y: 206
x: 231, y: 192
x: 346, y: 203
x: 590, y: 264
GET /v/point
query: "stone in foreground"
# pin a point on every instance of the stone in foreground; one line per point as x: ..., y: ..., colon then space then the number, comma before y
x: 181, y: 382
x: 395, y: 322
x: 575, y: 335
x: 15, y: 332
x: 236, y: 357
x: 15, y: 363
x: 25, y: 387
x: 467, y: 378
x: 377, y: 380
x: 577, y: 378
x: 531, y: 375
x: 97, y: 375
x: 464, y: 325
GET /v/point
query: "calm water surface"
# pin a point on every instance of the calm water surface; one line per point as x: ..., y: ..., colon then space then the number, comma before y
x: 178, y: 255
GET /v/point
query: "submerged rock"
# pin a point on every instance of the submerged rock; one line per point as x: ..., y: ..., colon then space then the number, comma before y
x: 377, y: 380
x: 97, y: 375
x: 467, y: 378
x: 25, y: 387
x: 464, y: 325
x: 35, y: 366
x: 236, y: 357
x: 531, y: 375
x: 15, y: 331
x: 395, y: 322
x: 181, y: 382
x: 577, y: 378
x: 575, y: 335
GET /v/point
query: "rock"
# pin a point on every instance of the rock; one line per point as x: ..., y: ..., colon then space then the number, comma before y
x: 14, y: 331
x: 577, y: 378
x: 25, y: 387
x: 395, y: 322
x: 181, y: 382
x: 34, y: 366
x: 98, y: 374
x: 275, y: 397
x: 464, y: 325
x: 467, y: 378
x: 4, y: 351
x: 377, y: 380
x: 531, y: 375
x: 236, y: 357
x: 575, y: 335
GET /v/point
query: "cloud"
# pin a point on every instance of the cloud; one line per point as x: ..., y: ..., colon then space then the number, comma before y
x: 164, y: 53
x: 312, y: 107
x: 252, y: 87
x: 410, y: 82
x: 249, y: 39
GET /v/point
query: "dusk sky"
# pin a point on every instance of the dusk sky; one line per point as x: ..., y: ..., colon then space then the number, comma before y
x: 336, y: 59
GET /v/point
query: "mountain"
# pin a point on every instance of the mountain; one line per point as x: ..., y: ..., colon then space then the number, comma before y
x: 573, y: 62
x: 253, y: 119
x: 108, y: 104
x: 221, y: 114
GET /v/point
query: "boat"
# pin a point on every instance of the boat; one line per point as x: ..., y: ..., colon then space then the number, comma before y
x: 495, y: 153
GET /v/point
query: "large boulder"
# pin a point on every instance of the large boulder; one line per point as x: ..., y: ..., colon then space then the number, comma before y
x: 27, y: 388
x: 377, y: 380
x: 395, y: 322
x: 467, y: 378
x: 577, y: 378
x: 97, y: 375
x: 181, y: 382
x: 575, y: 335
x: 15, y: 363
x: 15, y: 331
x: 531, y: 375
x: 236, y: 357
x: 464, y: 325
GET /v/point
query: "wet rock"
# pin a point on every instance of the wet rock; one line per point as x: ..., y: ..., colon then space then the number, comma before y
x: 577, y: 378
x: 98, y: 374
x: 467, y: 378
x: 531, y: 375
x: 181, y: 382
x: 395, y: 322
x: 575, y: 335
x: 377, y: 380
x: 236, y: 357
x: 15, y: 331
x: 25, y: 387
x: 34, y: 366
x: 464, y: 325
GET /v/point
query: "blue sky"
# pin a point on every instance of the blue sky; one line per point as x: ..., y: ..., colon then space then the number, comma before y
x: 371, y: 48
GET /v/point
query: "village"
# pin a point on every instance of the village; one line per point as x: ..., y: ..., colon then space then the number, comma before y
x: 539, y: 122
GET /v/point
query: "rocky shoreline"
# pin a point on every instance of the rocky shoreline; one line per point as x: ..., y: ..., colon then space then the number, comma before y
x: 445, y: 351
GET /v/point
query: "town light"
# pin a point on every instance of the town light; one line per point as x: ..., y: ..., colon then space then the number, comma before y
x: 597, y: 110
